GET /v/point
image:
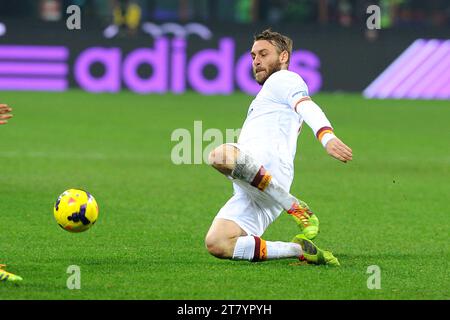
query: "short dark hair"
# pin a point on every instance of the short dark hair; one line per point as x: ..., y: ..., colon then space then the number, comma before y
x: 281, y: 42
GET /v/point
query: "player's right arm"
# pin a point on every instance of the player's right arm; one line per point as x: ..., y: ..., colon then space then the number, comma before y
x: 5, y: 113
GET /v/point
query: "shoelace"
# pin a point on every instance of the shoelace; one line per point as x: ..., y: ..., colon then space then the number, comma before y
x: 300, y: 214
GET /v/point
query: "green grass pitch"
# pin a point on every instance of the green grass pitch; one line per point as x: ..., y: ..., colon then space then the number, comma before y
x: 389, y: 207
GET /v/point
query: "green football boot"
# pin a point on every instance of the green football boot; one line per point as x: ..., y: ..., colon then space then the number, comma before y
x: 312, y: 253
x: 7, y: 276
x: 306, y: 220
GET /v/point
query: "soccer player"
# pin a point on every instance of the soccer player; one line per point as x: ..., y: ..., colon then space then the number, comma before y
x: 5, y: 114
x: 261, y: 166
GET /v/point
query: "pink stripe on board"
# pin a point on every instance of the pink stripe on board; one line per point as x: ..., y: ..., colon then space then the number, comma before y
x: 27, y: 68
x: 372, y: 90
x: 33, y: 84
x: 34, y: 52
x: 434, y: 77
x: 442, y: 88
x: 408, y: 68
x: 408, y: 87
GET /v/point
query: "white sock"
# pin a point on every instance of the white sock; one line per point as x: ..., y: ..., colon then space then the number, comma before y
x: 244, y: 249
x: 254, y: 248
x: 281, y: 250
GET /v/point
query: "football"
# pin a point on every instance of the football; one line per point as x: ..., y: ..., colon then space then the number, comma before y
x: 75, y: 210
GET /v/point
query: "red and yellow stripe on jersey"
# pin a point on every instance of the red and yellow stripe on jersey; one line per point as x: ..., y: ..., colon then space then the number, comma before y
x: 260, y: 249
x: 262, y: 179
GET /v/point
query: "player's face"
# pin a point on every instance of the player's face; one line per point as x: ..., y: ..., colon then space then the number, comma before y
x: 266, y: 60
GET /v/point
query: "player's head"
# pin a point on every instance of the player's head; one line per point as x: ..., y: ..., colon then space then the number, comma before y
x: 271, y: 52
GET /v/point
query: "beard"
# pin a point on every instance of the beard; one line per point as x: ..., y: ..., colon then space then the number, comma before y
x: 272, y: 68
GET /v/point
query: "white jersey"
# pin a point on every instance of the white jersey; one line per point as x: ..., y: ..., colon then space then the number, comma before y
x: 270, y: 134
x: 272, y: 125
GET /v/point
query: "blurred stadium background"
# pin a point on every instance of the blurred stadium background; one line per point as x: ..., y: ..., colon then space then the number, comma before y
x: 95, y: 108
x: 334, y: 50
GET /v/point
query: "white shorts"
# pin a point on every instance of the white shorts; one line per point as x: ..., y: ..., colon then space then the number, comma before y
x: 250, y: 208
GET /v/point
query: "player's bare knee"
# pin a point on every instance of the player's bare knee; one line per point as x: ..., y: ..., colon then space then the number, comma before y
x: 221, y: 155
x: 212, y: 158
x: 219, y: 248
x: 223, y: 158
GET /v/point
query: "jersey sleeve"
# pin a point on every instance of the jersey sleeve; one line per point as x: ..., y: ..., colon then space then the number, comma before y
x: 287, y: 88
x: 297, y: 92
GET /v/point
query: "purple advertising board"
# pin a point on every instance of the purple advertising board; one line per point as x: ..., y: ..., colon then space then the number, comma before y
x: 49, y: 68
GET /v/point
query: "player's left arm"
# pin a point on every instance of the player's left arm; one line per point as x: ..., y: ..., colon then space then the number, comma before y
x: 289, y: 88
x: 5, y: 113
x: 314, y: 117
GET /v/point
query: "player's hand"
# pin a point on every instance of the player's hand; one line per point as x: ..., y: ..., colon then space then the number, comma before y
x: 339, y: 150
x: 5, y: 113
